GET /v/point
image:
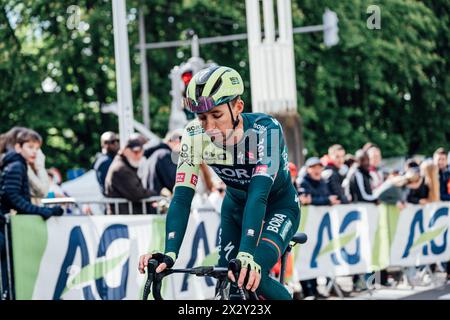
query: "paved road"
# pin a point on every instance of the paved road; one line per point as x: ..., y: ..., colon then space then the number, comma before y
x: 439, y: 289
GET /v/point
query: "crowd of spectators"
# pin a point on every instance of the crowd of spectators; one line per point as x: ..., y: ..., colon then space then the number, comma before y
x: 340, y: 178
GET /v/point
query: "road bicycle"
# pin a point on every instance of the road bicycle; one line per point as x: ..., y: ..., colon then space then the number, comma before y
x: 225, y: 288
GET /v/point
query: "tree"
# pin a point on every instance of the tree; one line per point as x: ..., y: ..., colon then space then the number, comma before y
x: 389, y: 86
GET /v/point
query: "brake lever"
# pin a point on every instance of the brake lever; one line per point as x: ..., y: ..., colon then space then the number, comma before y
x: 235, y: 266
x: 151, y: 270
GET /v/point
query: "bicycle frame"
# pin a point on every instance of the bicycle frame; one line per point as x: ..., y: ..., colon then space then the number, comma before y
x: 154, y: 280
x: 219, y: 273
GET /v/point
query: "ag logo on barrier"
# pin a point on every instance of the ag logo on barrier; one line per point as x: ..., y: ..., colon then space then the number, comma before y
x: 337, y: 243
x: 92, y: 273
x: 428, y: 239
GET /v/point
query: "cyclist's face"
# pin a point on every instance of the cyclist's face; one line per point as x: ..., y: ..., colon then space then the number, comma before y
x: 217, y: 122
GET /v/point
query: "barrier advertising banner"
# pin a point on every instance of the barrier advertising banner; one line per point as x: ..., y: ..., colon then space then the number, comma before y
x: 96, y: 257
x: 340, y: 240
x: 421, y: 235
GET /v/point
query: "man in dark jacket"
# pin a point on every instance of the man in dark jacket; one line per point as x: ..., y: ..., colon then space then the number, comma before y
x: 313, y: 189
x: 331, y: 174
x: 110, y: 145
x: 122, y: 180
x: 162, y: 168
x: 360, y: 182
x: 441, y: 160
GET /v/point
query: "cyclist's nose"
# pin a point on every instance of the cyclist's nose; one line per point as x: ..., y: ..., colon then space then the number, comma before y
x: 208, y: 124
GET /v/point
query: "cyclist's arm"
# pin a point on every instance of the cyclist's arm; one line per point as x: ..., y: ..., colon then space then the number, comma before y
x: 268, y: 163
x: 185, y: 183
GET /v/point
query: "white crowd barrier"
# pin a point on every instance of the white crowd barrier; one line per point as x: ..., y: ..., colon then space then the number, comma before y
x: 96, y: 257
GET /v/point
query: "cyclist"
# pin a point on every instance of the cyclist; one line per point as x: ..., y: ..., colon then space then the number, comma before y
x: 260, y: 212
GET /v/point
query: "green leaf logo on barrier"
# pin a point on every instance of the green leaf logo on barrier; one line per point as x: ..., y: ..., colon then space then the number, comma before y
x: 428, y: 236
x: 337, y: 243
x: 95, y: 271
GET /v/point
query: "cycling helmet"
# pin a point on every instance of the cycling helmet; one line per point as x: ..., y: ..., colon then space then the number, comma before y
x: 211, y: 87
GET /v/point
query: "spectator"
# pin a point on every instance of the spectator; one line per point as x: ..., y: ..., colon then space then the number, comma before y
x: 14, y: 187
x: 376, y: 174
x: 122, y: 180
x: 37, y: 175
x: 360, y: 182
x: 411, y: 163
x: 313, y: 189
x: 110, y: 145
x: 440, y: 159
x: 55, y: 190
x: 430, y: 172
x: 331, y: 174
x: 349, y: 160
x: 161, y: 166
x: 391, y: 190
x: 417, y: 189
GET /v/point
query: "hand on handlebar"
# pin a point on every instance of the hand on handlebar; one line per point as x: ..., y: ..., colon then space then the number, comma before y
x: 165, y: 261
x: 247, y: 265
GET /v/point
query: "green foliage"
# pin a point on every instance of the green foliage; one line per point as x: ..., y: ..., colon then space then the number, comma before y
x: 389, y: 86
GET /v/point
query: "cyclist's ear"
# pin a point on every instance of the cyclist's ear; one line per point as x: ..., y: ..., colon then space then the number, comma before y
x: 238, y: 105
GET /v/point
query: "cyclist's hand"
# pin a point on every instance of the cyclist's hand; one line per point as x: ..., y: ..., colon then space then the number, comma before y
x: 165, y: 261
x: 143, y: 262
x: 247, y: 264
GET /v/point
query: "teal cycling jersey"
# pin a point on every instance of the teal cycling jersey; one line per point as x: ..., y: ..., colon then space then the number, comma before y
x: 255, y: 170
x: 261, y: 151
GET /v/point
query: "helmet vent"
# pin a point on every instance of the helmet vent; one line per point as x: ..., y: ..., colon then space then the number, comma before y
x: 216, y: 87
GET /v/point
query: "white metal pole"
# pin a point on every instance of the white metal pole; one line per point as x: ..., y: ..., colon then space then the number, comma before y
x: 143, y: 67
x: 269, y: 23
x: 195, y: 47
x: 123, y: 77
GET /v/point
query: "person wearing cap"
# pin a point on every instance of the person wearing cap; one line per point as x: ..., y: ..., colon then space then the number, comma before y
x: 313, y: 189
x: 161, y: 166
x: 417, y: 188
x: 110, y: 146
x: 122, y: 180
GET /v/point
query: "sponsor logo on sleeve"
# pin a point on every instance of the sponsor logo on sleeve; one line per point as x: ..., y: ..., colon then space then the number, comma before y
x: 194, y: 179
x: 250, y: 233
x: 261, y: 169
x: 180, y: 176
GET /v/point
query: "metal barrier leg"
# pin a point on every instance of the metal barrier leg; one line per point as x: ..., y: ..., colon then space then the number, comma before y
x: 8, y: 261
x: 2, y: 288
x: 333, y: 284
